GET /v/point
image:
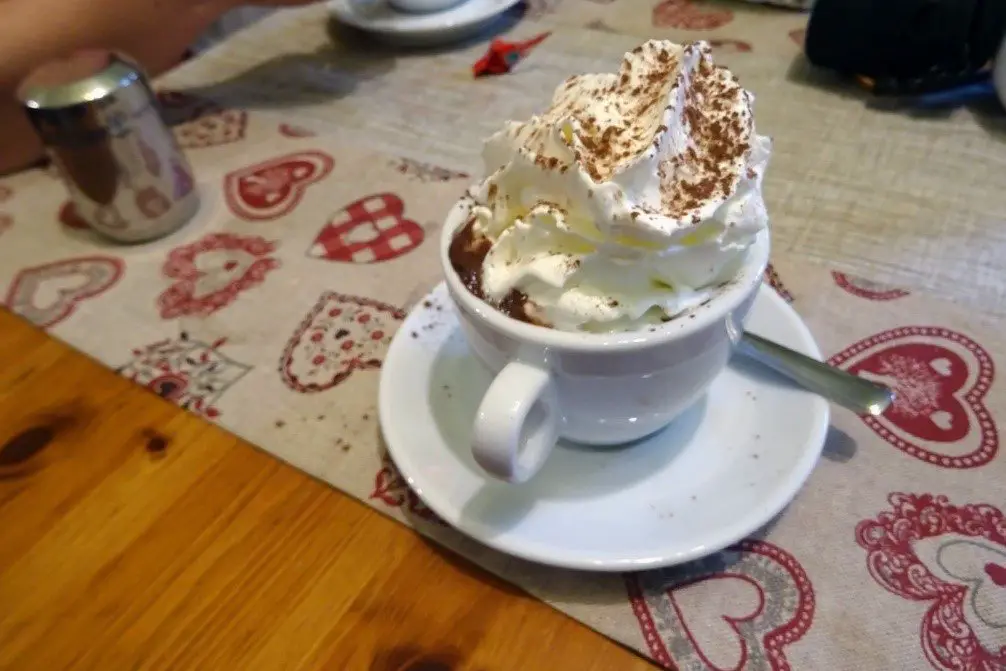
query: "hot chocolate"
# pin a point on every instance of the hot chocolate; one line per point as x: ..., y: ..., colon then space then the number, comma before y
x: 628, y: 202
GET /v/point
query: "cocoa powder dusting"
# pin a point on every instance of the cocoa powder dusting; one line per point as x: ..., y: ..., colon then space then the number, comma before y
x: 628, y: 100
x: 518, y: 306
x: 720, y: 141
x: 467, y: 252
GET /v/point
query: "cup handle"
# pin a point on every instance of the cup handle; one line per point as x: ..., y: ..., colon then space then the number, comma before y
x: 517, y: 423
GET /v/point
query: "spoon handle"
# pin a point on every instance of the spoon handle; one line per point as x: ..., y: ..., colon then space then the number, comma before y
x: 850, y: 391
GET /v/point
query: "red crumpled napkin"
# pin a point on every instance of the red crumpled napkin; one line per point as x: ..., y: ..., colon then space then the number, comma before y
x: 502, y: 56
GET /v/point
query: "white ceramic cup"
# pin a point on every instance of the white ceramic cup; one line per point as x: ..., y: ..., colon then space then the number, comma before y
x: 422, y: 6
x: 597, y: 389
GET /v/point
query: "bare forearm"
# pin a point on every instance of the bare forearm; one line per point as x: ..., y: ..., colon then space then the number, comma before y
x: 32, y: 32
x: 154, y: 32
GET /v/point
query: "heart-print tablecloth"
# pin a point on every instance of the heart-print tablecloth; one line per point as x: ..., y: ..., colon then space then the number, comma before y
x: 271, y: 314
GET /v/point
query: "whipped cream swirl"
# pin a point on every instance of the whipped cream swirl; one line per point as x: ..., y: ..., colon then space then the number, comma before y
x: 631, y: 199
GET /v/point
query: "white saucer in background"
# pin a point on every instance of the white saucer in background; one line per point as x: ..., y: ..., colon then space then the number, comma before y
x: 718, y: 473
x: 450, y: 25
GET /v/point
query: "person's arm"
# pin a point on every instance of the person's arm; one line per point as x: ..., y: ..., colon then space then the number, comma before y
x: 156, y: 33
x: 32, y: 32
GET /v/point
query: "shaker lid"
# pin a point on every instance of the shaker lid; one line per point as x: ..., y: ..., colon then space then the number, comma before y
x: 83, y: 77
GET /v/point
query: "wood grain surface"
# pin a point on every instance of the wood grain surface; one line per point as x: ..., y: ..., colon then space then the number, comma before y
x: 136, y: 536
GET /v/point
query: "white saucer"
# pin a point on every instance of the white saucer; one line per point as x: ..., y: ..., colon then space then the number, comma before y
x: 450, y: 25
x: 718, y: 473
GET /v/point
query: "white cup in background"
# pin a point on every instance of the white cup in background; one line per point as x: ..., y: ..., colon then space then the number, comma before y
x: 598, y: 389
x: 422, y: 6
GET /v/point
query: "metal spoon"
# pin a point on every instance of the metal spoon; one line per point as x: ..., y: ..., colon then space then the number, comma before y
x: 850, y: 391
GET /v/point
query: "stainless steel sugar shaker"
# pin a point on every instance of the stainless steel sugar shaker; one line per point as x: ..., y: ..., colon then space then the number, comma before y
x: 100, y: 123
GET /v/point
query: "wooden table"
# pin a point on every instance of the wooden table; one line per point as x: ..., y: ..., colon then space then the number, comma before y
x: 136, y: 536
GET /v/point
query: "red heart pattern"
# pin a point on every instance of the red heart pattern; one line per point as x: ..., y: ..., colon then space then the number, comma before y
x: 746, y: 604
x: 6, y: 221
x: 370, y: 230
x: 198, y: 122
x: 774, y: 281
x: 718, y: 638
x: 190, y: 373
x: 212, y: 272
x: 864, y: 288
x: 48, y: 294
x: 271, y: 189
x: 391, y: 489
x: 340, y: 335
x: 798, y: 36
x: 927, y: 549
x: 5, y: 193
x: 940, y: 378
x: 689, y: 15
x: 996, y: 573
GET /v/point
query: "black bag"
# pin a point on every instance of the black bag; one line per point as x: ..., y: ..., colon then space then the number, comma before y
x: 906, y: 46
